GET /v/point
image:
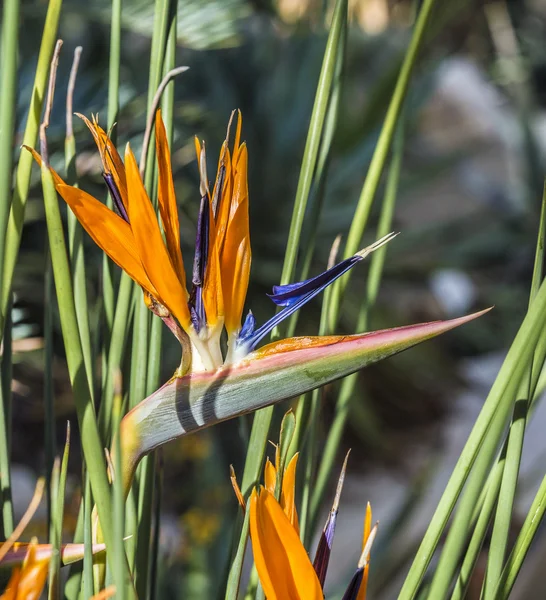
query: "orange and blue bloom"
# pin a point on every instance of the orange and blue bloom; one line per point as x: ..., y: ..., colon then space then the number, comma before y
x: 283, y: 564
x: 211, y: 386
x: 132, y: 238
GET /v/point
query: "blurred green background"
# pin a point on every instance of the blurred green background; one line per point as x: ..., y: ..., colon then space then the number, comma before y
x: 468, y: 211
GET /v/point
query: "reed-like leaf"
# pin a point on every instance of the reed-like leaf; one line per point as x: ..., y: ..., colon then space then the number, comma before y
x: 8, y: 85
x: 496, y: 408
x: 262, y: 419
x: 377, y: 261
x: 24, y: 166
x: 379, y: 159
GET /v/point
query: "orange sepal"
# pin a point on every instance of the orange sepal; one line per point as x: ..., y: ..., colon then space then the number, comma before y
x: 213, y: 299
x: 236, y: 253
x: 270, y: 476
x: 109, y: 231
x: 111, y: 160
x: 288, y: 494
x: 151, y: 248
x: 285, y: 571
x: 367, y: 529
x: 168, y: 208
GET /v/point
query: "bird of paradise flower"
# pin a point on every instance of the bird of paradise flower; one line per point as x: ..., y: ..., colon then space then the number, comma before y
x: 210, y: 386
x: 282, y: 562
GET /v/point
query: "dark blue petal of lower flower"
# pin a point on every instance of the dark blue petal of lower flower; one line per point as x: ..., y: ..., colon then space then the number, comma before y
x: 324, y: 548
x: 354, y: 585
x: 285, y: 295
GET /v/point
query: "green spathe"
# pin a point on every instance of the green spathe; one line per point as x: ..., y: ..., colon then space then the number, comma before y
x: 265, y: 377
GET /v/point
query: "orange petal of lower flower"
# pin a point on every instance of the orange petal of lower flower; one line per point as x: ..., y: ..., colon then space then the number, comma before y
x: 367, y: 529
x: 151, y: 248
x: 285, y: 571
x: 288, y: 495
x: 109, y: 231
x: 168, y: 208
x: 270, y: 476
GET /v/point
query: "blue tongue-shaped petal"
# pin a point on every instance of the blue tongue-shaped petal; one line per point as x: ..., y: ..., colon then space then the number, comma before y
x: 285, y: 295
x: 351, y: 593
x: 324, y: 548
x: 294, y: 296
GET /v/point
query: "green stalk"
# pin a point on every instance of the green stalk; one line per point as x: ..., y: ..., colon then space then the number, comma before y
x: 522, y: 545
x: 108, y: 288
x: 75, y: 230
x: 511, y: 455
x: 381, y: 151
x: 91, y: 442
x: 262, y: 418
x: 377, y: 262
x: 486, y: 506
x: 321, y: 174
x: 56, y: 529
x: 120, y: 570
x: 8, y: 85
x: 118, y: 342
x: 87, y: 587
x: 503, y: 516
x: 5, y: 429
x: 497, y: 407
x: 24, y: 166
x: 49, y: 401
x: 147, y: 336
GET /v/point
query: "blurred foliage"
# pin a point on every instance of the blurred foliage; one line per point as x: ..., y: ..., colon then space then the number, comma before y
x: 455, y: 213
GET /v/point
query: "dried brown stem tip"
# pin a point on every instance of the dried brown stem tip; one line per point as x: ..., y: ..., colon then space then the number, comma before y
x: 151, y: 115
x: 70, y: 92
x: 49, y: 102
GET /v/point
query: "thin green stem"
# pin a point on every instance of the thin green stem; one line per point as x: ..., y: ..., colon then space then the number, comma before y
x: 377, y: 261
x: 522, y: 545
x: 5, y: 429
x: 8, y: 85
x: 24, y: 166
x: 503, y: 515
x: 262, y: 418
x: 379, y: 159
x: 497, y: 407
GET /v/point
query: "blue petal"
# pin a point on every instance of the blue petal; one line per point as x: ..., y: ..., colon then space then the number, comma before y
x: 285, y: 295
x: 294, y: 296
x: 353, y: 588
x: 248, y: 326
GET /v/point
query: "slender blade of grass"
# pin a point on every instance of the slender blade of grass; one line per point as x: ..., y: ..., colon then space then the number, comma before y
x: 503, y: 515
x: 522, y: 545
x: 8, y: 83
x: 497, y: 407
x: 511, y: 456
x: 147, y: 340
x: 92, y: 445
x: 5, y: 428
x: 108, y: 287
x: 56, y: 531
x: 262, y: 418
x: 379, y: 158
x: 377, y: 262
x: 24, y: 166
